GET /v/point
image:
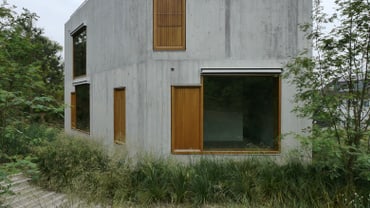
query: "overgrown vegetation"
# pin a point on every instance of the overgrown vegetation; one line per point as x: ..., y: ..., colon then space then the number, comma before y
x: 31, y: 71
x: 31, y: 89
x: 84, y: 168
x: 333, y: 87
x: 332, y: 90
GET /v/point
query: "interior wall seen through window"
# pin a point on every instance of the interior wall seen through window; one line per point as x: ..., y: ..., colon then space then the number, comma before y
x: 240, y: 112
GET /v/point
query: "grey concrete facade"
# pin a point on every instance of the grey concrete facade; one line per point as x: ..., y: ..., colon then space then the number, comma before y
x: 219, y: 33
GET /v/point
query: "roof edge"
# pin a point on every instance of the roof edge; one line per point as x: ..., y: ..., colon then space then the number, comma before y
x: 82, y: 5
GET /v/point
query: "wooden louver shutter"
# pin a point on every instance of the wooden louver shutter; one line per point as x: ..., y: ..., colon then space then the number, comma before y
x: 119, y: 115
x: 169, y: 24
x: 73, y: 110
x: 186, y: 119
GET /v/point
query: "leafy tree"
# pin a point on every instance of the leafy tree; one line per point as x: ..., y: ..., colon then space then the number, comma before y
x: 31, y: 74
x: 333, y: 86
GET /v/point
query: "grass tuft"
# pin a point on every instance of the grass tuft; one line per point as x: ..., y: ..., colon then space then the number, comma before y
x: 82, y: 167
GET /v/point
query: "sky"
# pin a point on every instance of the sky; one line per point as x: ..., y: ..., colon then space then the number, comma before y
x: 54, y: 13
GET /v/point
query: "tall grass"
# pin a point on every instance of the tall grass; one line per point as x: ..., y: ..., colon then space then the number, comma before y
x: 82, y: 167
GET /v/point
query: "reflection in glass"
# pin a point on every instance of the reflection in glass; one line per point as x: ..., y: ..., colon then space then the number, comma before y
x: 83, y: 107
x: 79, y: 53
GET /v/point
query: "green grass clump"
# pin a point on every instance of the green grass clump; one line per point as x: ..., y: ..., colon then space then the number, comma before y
x: 20, y: 139
x: 82, y: 167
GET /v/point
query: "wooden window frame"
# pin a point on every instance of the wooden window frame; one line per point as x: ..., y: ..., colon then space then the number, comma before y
x: 230, y: 151
x: 119, y: 119
x: 156, y: 44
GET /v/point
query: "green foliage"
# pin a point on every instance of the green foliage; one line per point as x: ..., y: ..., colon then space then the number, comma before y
x: 333, y: 87
x: 16, y: 151
x: 83, y: 167
x: 31, y: 71
x: 20, y: 165
x: 66, y: 159
x: 20, y: 139
x: 4, y: 187
x: 31, y: 89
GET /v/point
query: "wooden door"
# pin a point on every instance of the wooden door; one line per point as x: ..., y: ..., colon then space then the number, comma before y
x: 186, y: 119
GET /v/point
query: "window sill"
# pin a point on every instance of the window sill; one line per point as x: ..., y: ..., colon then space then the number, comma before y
x: 119, y: 143
x: 227, y: 152
x: 80, y: 80
x: 81, y: 131
x: 168, y: 48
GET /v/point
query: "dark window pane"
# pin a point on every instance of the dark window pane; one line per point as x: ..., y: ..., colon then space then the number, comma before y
x: 79, y: 53
x: 83, y: 107
x: 241, y: 112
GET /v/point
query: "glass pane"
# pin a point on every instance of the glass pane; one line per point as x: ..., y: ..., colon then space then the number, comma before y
x: 83, y: 107
x: 240, y: 112
x: 79, y: 53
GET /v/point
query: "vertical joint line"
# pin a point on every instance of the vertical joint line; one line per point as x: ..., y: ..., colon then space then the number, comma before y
x: 227, y: 28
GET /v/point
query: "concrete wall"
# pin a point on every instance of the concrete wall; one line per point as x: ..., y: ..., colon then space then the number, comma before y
x: 219, y: 33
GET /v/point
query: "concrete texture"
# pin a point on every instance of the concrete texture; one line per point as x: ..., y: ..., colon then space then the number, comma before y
x: 219, y: 33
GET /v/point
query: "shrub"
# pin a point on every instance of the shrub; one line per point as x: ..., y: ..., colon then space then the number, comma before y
x: 20, y: 139
x: 67, y: 158
x: 151, y: 179
x: 83, y: 167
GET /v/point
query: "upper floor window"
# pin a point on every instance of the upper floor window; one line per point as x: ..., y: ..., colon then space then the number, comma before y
x: 79, y: 52
x: 169, y: 24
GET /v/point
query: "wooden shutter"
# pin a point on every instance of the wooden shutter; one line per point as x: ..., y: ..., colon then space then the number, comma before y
x: 119, y: 115
x: 169, y: 24
x: 73, y: 110
x: 186, y: 119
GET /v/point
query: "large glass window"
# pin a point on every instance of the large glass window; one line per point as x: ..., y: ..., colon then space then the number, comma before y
x: 82, y: 108
x: 233, y: 113
x: 79, y: 52
x: 240, y: 112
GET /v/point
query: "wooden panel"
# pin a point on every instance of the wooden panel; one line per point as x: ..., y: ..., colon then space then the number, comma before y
x: 186, y: 119
x: 169, y: 24
x: 169, y: 13
x: 119, y: 115
x: 169, y: 36
x: 73, y: 110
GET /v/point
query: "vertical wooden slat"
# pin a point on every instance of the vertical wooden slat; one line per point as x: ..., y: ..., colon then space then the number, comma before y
x: 186, y: 119
x: 169, y: 24
x: 119, y: 115
x: 73, y: 110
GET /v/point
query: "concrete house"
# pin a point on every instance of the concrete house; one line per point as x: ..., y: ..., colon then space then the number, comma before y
x: 184, y: 78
